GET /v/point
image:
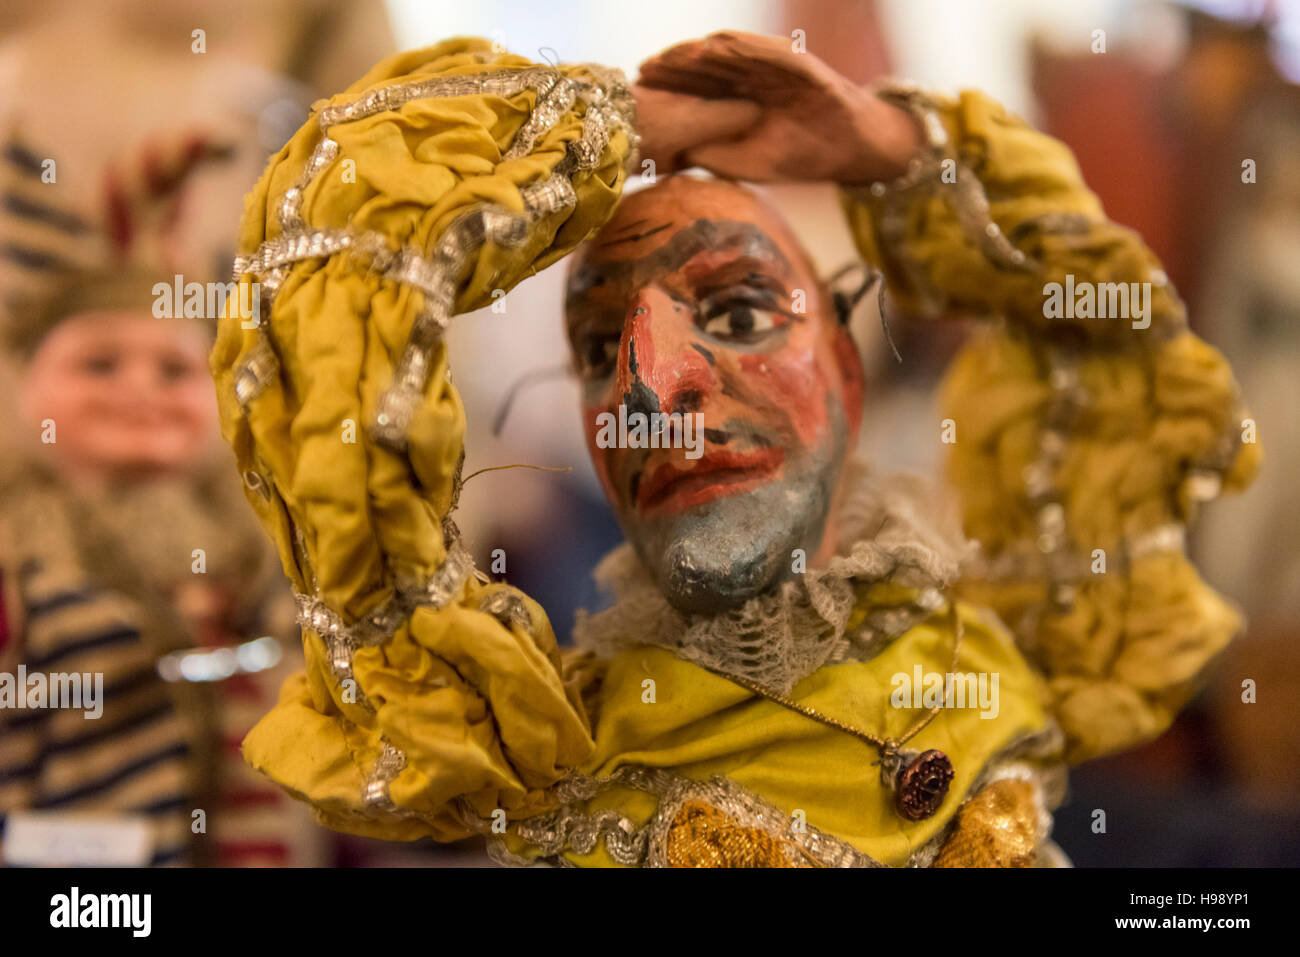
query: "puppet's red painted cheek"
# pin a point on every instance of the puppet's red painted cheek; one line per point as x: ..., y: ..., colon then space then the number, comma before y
x: 850, y: 368
x: 792, y: 381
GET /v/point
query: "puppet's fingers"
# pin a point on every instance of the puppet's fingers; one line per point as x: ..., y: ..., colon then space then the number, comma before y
x: 672, y: 124
x: 693, y: 78
x: 699, y: 67
x: 760, y: 68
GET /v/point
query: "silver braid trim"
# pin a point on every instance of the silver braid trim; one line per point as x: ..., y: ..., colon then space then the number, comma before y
x: 557, y: 101
x: 508, y: 608
x: 1026, y: 564
x: 342, y: 639
x: 571, y: 829
x: 438, y: 277
x: 965, y: 192
x: 503, y: 83
x: 388, y: 765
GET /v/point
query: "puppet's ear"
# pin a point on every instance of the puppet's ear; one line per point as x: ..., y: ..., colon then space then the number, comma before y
x: 848, y: 286
x: 856, y: 310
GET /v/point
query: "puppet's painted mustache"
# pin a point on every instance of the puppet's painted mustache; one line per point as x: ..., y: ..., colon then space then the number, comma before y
x: 670, y: 488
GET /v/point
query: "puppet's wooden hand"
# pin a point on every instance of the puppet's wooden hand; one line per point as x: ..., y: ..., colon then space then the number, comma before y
x: 807, y: 121
x: 673, y: 125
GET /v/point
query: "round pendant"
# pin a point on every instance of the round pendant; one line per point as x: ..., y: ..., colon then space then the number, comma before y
x: 922, y: 785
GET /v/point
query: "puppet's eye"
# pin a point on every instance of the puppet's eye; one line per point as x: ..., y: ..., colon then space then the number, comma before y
x: 596, y: 355
x: 100, y: 365
x: 740, y: 322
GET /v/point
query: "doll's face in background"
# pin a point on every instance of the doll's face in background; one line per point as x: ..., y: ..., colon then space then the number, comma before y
x: 129, y: 394
x: 695, y: 299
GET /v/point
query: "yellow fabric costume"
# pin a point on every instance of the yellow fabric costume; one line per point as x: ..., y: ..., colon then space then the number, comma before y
x: 435, y: 705
x: 1082, y: 444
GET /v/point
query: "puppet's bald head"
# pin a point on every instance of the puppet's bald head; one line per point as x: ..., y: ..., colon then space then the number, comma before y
x: 720, y: 391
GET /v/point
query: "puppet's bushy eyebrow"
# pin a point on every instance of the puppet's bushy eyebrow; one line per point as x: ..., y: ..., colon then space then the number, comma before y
x: 745, y: 270
x: 700, y: 235
x: 636, y: 236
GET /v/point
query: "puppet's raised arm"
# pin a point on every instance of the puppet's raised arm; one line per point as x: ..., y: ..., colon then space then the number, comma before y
x: 429, y: 700
x: 1084, y: 428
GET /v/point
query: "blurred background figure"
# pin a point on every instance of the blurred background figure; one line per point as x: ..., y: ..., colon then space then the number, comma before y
x: 126, y: 554
x: 1189, y: 131
x: 157, y: 119
x: 128, y: 136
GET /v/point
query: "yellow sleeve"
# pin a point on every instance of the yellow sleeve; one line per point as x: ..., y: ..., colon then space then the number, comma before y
x: 430, y: 700
x: 1081, y: 436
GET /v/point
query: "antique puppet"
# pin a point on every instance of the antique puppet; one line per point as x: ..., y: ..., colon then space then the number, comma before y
x: 129, y: 567
x: 763, y: 690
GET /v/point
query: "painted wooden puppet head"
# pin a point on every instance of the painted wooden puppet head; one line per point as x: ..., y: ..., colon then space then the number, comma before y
x: 720, y: 390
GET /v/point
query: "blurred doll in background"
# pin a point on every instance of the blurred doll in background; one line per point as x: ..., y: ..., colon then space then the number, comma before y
x: 123, y: 555
x: 126, y: 557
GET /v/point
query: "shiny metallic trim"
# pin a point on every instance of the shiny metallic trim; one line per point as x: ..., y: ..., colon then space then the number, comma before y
x: 343, y: 639
x: 259, y: 369
x: 374, y: 795
x: 507, y: 607
x: 569, y: 829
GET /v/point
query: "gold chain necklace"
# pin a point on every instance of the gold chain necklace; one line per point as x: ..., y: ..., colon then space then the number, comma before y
x: 919, y: 780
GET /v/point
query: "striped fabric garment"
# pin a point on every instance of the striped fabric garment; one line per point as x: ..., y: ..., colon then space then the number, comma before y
x: 135, y: 758
x: 43, y: 239
x: 256, y: 827
x: 40, y: 238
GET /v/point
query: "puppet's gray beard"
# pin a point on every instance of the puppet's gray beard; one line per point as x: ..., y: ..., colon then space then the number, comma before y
x: 717, y: 556
x: 739, y: 545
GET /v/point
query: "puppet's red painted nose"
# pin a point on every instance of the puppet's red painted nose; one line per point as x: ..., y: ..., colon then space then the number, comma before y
x: 659, y: 367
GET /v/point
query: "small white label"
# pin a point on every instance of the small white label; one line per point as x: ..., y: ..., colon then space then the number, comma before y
x: 60, y: 839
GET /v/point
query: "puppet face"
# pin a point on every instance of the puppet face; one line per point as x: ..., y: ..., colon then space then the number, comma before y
x: 129, y: 394
x: 719, y: 391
